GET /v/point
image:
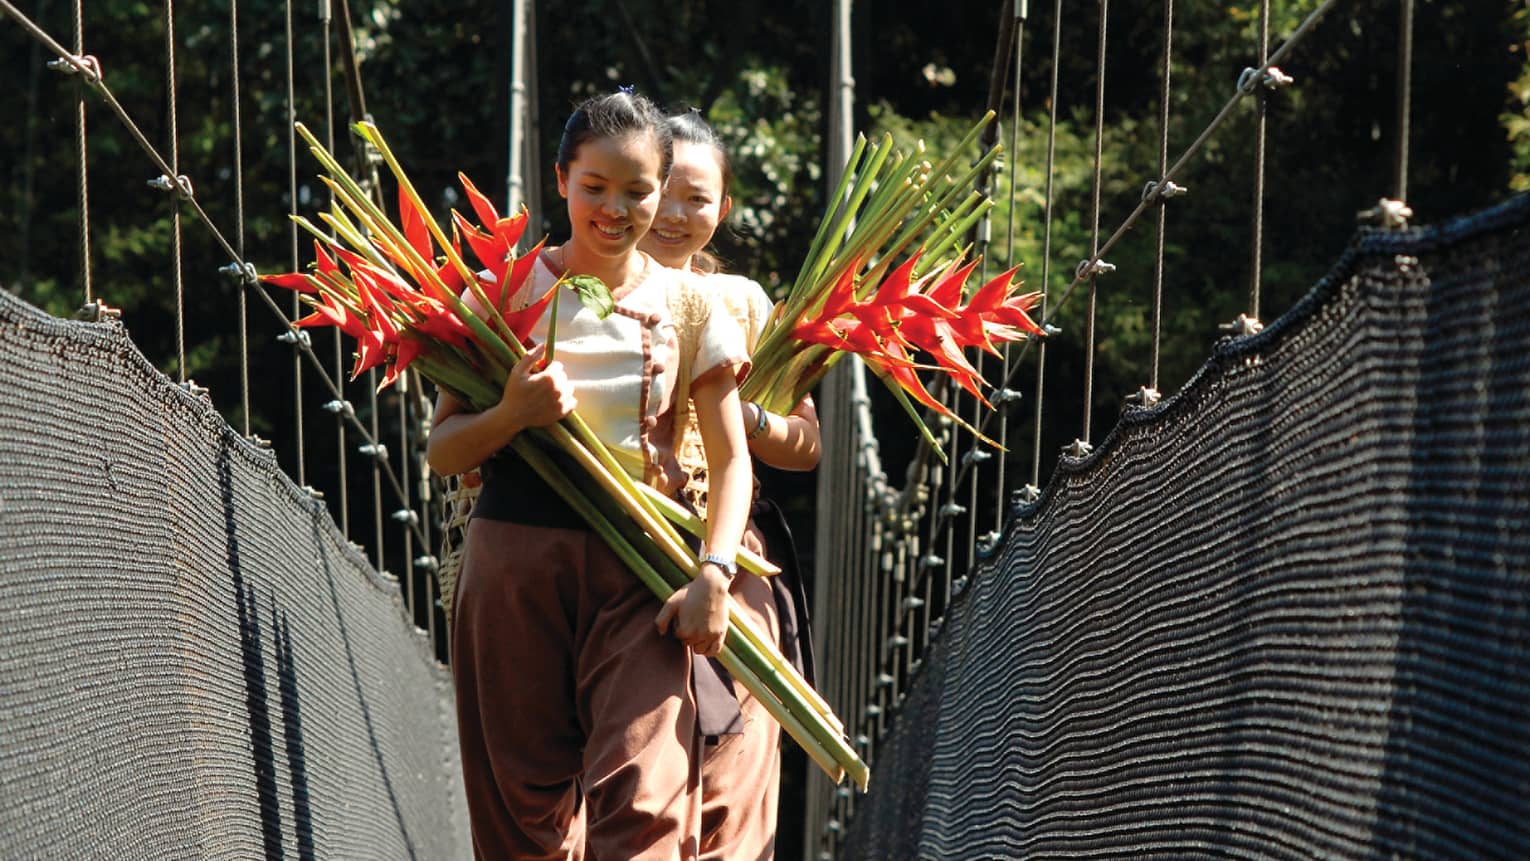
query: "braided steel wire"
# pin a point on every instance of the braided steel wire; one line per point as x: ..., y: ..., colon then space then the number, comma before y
x: 175, y: 186
x: 82, y: 153
x: 1282, y: 614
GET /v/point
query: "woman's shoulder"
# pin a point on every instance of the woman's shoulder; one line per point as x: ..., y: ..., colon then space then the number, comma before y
x: 730, y: 285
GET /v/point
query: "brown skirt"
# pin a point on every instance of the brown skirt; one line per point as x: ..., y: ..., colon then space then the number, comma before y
x: 570, y: 705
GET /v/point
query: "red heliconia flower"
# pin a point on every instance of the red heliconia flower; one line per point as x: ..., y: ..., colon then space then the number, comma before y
x: 405, y: 351
x: 514, y: 278
x: 413, y: 222
x: 329, y: 311
x: 506, y: 230
x: 442, y: 324
x: 299, y: 281
x: 490, y: 251
x: 994, y: 304
x: 934, y: 336
x: 369, y: 354
x: 325, y: 263
x: 842, y: 296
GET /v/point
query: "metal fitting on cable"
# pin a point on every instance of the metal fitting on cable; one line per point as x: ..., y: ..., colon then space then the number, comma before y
x: 1243, y: 326
x: 1091, y: 268
x: 1273, y: 79
x: 95, y: 312
x: 976, y: 455
x: 341, y: 409
x: 885, y: 680
x: 990, y: 541
x: 376, y: 451
x: 1387, y: 213
x: 1078, y: 449
x: 259, y: 442
x: 313, y: 492
x: 833, y: 826
x: 1052, y: 331
x: 930, y: 560
x: 1145, y: 397
x: 952, y: 509
x: 195, y: 390
x: 87, y: 67
x: 428, y: 563
x: 1028, y: 494
x: 297, y: 338
x: 406, y: 516
x: 897, y: 641
x: 873, y: 710
x: 1005, y: 396
x: 912, y: 603
x: 1171, y: 190
x: 181, y: 185
x: 958, y: 585
x: 244, y: 273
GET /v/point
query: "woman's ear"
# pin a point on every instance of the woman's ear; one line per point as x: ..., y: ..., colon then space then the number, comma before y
x: 562, y: 181
x: 727, y: 207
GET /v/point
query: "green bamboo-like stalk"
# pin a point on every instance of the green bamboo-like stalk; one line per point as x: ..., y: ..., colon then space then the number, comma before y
x: 686, y: 519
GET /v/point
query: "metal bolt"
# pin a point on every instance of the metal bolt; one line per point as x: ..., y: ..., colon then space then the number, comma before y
x: 374, y: 450
x: 1243, y: 326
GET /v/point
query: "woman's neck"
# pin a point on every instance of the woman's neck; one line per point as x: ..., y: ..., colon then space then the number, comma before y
x: 619, y: 274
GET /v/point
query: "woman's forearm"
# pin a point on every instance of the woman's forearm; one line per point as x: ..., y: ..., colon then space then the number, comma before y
x: 461, y: 441
x: 730, y: 476
x: 789, y: 442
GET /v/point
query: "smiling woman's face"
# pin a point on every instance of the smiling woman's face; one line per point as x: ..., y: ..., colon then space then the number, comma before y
x: 694, y: 203
x: 612, y: 186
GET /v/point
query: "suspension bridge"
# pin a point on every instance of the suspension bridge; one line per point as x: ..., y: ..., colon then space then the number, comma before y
x: 1280, y: 612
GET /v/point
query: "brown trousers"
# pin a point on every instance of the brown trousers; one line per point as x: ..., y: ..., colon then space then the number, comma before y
x: 570, y: 705
x: 741, y: 773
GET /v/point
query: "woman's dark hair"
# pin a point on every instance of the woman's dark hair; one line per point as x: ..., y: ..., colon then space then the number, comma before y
x: 692, y: 128
x: 615, y: 115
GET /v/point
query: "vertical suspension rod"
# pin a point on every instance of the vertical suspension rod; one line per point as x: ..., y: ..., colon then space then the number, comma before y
x: 1094, y: 218
x: 1046, y: 245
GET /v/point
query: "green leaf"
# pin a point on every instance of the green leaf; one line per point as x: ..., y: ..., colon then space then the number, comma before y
x: 593, y: 294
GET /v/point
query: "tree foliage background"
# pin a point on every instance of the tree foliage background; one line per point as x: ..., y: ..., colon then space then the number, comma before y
x: 436, y: 76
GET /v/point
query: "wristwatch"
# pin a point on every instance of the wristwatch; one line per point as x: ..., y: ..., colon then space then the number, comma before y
x: 726, y: 563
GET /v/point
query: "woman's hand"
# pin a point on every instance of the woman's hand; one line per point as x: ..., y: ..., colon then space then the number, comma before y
x: 699, y: 612
x: 535, y: 395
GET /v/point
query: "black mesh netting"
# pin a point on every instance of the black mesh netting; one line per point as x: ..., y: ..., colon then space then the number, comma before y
x: 1285, y: 614
x: 193, y: 661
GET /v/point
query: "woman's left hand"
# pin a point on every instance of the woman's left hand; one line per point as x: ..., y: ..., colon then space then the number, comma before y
x: 699, y: 612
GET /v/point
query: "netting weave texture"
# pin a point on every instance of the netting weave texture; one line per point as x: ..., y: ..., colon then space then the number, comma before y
x: 1285, y: 614
x: 193, y: 661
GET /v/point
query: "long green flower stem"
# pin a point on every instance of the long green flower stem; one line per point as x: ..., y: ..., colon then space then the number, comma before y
x: 832, y: 753
x: 684, y: 518
x: 657, y: 530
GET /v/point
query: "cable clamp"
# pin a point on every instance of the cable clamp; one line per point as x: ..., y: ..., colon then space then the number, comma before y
x: 930, y: 560
x: 1028, y: 494
x: 191, y: 387
x: 97, y: 311
x: 1387, y: 213
x: 1273, y: 78
x: 912, y: 603
x: 833, y: 826
x: 1091, y: 268
x: 952, y: 509
x: 313, y: 492
x: 181, y: 185
x: 990, y: 542
x: 1145, y: 397
x: 428, y: 563
x: 376, y: 451
x: 976, y: 455
x: 259, y: 441
x: 244, y: 273
x: 342, y: 409
x: 406, y: 516
x: 873, y: 710
x: 1171, y: 189
x: 297, y: 338
x: 1243, y: 326
x: 1078, y: 449
x: 87, y: 67
x: 897, y: 641
x: 1052, y: 331
x: 1005, y: 396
